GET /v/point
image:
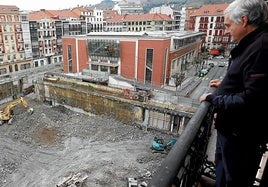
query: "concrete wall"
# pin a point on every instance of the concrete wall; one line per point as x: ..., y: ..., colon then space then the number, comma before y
x: 104, y: 100
x: 10, y: 90
x: 90, y: 99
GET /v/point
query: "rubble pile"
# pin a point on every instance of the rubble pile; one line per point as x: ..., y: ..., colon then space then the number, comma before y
x: 53, y: 143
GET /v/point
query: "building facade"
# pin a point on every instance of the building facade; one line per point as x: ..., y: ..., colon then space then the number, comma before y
x: 171, y: 11
x: 93, y: 17
x: 209, y: 19
x: 47, y: 28
x: 12, y: 47
x: 149, y: 58
x: 125, y: 7
x: 140, y: 22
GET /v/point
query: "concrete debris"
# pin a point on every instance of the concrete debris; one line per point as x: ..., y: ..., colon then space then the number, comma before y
x: 143, y: 184
x: 133, y: 182
x: 73, y: 180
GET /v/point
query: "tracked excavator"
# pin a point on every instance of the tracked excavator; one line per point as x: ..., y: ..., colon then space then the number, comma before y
x: 6, y: 114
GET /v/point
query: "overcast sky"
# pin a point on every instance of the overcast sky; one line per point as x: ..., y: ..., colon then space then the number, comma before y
x: 47, y: 4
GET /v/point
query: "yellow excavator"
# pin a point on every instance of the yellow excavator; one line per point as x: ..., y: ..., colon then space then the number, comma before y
x: 6, y: 114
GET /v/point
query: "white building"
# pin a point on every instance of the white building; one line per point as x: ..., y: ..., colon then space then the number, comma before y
x: 129, y: 7
x: 170, y: 11
x: 26, y: 35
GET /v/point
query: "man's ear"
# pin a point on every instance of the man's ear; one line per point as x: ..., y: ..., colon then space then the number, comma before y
x: 244, y: 20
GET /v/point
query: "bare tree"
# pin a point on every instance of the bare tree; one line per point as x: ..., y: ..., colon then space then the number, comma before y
x: 178, y: 79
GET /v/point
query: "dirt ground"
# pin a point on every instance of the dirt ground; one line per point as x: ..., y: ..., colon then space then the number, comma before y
x: 44, y: 148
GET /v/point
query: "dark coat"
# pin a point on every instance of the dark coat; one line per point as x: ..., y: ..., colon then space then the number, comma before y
x: 242, y: 98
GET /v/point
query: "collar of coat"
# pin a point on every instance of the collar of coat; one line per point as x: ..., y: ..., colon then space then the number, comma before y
x: 248, y: 39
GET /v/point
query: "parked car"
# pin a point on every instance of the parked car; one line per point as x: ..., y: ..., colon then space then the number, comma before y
x: 203, y: 72
x: 211, y: 65
x: 210, y: 57
x: 221, y: 64
x: 219, y: 57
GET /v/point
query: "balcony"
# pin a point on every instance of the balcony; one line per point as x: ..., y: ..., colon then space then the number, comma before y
x: 187, y: 161
x: 202, y: 27
x: 20, y: 49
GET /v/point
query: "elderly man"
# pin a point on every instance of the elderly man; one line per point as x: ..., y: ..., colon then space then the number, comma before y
x: 241, y: 121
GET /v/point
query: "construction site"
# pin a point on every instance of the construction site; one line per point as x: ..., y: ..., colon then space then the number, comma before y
x: 71, y: 134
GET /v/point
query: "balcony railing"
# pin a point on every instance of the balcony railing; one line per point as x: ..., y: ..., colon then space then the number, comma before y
x: 187, y: 161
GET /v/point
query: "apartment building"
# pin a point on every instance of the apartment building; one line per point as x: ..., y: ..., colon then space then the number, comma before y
x: 38, y: 34
x: 171, y: 11
x: 188, y: 23
x: 209, y: 19
x: 93, y: 17
x: 147, y: 57
x: 26, y: 35
x: 125, y: 7
x: 140, y: 22
x: 34, y: 39
x: 12, y: 47
x: 85, y: 14
x: 47, y: 28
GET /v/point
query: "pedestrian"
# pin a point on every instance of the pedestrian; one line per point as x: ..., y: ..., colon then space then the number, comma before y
x: 241, y: 100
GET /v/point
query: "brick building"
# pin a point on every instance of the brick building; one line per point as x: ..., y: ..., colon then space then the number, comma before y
x: 150, y: 58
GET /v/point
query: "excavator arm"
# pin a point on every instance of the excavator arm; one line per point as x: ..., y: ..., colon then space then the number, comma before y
x: 7, y: 113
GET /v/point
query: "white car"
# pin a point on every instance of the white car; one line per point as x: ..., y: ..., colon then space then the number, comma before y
x: 219, y: 57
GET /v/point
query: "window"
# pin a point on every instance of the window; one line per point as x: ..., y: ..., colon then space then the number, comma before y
x: 3, y: 71
x: 104, y: 68
x: 9, y: 18
x: 149, y: 65
x: 69, y: 58
x: 17, y: 18
x: 10, y: 68
x: 16, y: 67
x: 25, y: 66
x: 35, y: 63
x: 104, y: 49
x: 24, y: 18
x: 2, y: 18
x: 94, y: 67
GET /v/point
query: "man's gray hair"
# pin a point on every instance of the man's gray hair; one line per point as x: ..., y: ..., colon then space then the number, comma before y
x: 255, y: 10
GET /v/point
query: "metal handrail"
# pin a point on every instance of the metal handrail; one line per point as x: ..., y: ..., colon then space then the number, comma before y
x: 185, y: 162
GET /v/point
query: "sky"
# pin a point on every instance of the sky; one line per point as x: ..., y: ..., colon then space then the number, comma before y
x: 48, y: 4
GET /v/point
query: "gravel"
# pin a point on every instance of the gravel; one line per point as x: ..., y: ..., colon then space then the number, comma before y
x: 44, y: 148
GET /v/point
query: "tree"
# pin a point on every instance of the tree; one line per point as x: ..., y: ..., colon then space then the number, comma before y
x: 200, y: 61
x: 178, y: 79
x: 197, y: 64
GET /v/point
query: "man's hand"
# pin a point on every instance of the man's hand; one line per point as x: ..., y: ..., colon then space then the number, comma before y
x: 203, y: 97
